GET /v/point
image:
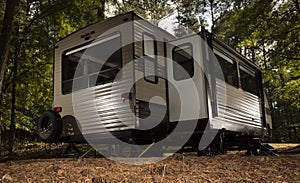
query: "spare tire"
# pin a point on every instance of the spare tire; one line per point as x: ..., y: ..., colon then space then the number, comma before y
x: 49, y: 126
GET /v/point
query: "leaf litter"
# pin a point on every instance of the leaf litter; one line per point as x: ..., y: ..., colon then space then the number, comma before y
x: 183, y: 168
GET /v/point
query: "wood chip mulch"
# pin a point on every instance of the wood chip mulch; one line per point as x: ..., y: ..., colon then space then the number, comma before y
x: 177, y: 168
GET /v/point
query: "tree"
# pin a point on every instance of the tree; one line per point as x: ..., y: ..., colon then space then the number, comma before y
x: 193, y: 14
x: 27, y: 85
x: 151, y: 10
x: 6, y: 36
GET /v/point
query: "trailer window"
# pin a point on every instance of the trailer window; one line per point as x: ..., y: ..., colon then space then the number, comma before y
x: 249, y: 80
x: 183, y: 57
x: 229, y: 70
x: 92, y: 64
x: 150, y: 58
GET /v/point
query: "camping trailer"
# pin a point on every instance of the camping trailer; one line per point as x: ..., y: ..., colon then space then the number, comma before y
x: 126, y: 78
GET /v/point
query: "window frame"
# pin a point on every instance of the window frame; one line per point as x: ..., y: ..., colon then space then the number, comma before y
x: 150, y: 58
x: 85, y: 46
x: 180, y: 47
x: 234, y: 64
x: 254, y: 74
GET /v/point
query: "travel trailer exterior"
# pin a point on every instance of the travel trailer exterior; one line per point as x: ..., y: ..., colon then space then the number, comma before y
x: 128, y: 78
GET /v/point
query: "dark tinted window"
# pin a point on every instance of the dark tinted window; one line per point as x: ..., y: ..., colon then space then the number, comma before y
x: 249, y: 81
x: 183, y: 57
x: 229, y: 70
x: 96, y: 63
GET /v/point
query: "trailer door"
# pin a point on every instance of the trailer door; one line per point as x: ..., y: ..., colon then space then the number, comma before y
x: 150, y: 85
x: 186, y: 80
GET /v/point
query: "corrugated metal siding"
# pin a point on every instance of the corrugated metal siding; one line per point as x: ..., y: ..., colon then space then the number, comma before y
x: 238, y: 110
x: 105, y: 112
x: 112, y: 113
x: 101, y: 108
x: 98, y: 108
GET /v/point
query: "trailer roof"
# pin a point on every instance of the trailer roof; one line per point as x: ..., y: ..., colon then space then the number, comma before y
x: 204, y: 32
x: 234, y: 51
x: 134, y: 16
x: 100, y: 21
x: 229, y: 48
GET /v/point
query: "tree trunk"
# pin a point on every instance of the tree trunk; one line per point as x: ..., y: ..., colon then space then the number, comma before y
x: 101, y: 10
x: 12, y: 126
x: 296, y: 2
x: 212, y: 15
x: 6, y: 36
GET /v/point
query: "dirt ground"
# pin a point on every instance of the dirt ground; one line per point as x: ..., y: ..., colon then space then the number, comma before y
x: 231, y: 167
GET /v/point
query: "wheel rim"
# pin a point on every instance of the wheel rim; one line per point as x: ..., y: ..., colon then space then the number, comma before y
x: 46, y: 127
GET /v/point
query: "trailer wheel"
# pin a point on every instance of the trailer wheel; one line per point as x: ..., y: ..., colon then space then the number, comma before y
x: 49, y: 126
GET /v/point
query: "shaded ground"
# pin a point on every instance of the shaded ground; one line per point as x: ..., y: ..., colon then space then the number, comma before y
x: 232, y: 167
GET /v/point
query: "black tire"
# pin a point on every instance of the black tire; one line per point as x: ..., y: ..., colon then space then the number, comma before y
x: 49, y: 126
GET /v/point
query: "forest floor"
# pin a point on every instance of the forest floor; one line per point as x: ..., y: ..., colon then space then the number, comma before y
x: 231, y: 167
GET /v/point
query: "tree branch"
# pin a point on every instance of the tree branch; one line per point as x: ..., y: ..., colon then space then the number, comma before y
x: 290, y: 58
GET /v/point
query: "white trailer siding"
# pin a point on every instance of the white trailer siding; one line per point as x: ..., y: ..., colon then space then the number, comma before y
x: 98, y: 108
x: 239, y: 111
x: 103, y: 107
